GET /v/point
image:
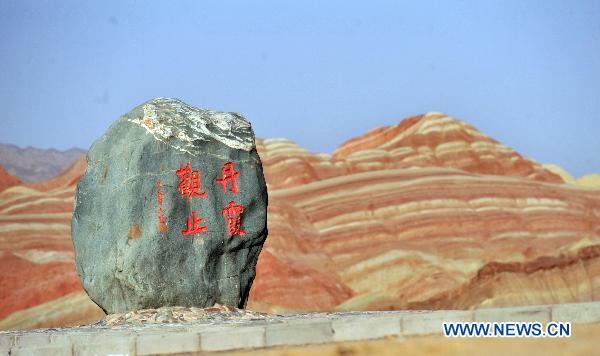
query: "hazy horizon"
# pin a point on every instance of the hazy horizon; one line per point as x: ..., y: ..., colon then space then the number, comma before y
x: 524, y: 73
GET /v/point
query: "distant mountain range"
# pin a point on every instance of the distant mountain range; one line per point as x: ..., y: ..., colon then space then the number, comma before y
x: 33, y: 165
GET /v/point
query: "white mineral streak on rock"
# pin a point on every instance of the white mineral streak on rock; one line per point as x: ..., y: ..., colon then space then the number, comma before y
x: 167, y: 117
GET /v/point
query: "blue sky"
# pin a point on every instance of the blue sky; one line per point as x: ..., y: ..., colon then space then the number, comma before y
x: 524, y: 72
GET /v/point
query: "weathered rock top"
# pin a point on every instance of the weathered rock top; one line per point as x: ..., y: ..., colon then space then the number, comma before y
x: 169, y: 118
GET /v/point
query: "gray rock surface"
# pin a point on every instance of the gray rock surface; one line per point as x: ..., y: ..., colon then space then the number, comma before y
x: 150, y: 233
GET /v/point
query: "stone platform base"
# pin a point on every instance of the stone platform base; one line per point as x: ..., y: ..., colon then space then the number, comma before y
x: 267, y: 331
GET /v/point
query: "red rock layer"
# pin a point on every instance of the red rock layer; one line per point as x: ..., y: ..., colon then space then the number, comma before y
x: 409, y: 235
x: 36, y: 255
x: 7, y: 180
x: 286, y: 164
x: 567, y: 277
x: 435, y: 139
x: 32, y: 283
x: 292, y: 255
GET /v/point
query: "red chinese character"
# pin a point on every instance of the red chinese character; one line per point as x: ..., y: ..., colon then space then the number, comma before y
x: 228, y: 174
x: 189, y: 182
x: 194, y: 227
x: 233, y: 213
x: 162, y: 222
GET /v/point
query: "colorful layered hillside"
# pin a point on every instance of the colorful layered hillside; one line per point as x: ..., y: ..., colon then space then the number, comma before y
x: 436, y: 140
x: 407, y: 238
x: 7, y: 180
x: 431, y: 140
x: 429, y: 213
x: 414, y: 215
x: 39, y: 283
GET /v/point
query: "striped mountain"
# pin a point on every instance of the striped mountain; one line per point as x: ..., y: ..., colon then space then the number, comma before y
x: 429, y: 213
x: 7, y: 179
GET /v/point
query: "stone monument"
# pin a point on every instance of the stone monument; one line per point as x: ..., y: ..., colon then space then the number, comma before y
x: 171, y: 210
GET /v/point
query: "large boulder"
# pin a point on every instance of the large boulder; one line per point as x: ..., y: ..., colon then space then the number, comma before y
x: 171, y: 211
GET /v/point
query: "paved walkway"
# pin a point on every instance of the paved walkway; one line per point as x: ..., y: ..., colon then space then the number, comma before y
x: 297, y: 329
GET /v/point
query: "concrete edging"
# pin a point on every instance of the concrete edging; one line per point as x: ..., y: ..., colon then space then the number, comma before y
x: 279, y: 330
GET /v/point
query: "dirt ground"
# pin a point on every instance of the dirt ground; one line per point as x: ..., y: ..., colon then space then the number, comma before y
x: 584, y: 340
